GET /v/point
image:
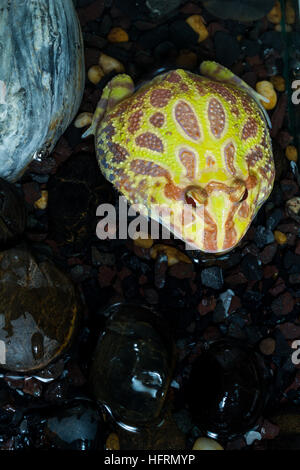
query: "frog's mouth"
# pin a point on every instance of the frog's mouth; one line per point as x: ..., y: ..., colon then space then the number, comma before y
x: 213, y: 219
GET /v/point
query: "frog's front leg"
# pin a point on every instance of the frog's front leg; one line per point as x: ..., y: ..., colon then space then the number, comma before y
x: 221, y: 74
x: 118, y: 89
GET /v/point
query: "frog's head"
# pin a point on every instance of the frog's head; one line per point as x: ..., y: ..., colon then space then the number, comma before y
x: 216, y: 171
x: 213, y: 212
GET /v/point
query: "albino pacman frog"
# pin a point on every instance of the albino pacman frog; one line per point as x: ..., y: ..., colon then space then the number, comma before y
x: 191, y: 141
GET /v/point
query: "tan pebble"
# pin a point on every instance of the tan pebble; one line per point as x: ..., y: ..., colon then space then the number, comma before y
x: 117, y: 35
x: 174, y: 255
x: 83, y: 120
x: 266, y: 89
x: 205, y: 443
x: 291, y: 153
x: 95, y: 74
x: 275, y: 15
x: 42, y: 202
x: 278, y: 82
x: 144, y: 241
x: 279, y: 28
x: 187, y: 59
x: 267, y: 346
x: 112, y: 442
x: 290, y: 14
x: 109, y: 64
x: 280, y: 237
x: 293, y: 206
x: 197, y: 24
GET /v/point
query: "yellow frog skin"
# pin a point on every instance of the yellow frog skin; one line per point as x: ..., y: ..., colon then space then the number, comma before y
x: 187, y: 140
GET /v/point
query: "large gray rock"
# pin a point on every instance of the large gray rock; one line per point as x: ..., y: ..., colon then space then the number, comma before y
x: 41, y: 78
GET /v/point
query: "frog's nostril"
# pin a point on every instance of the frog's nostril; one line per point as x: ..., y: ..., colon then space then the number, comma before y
x: 196, y: 196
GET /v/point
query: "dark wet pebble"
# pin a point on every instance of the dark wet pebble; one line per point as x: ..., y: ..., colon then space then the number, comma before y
x: 291, y: 262
x: 241, y: 10
x: 283, y: 304
x: 268, y: 253
x: 227, y: 48
x: 159, y: 9
x: 250, y: 48
x: 274, y: 218
x: 272, y: 39
x: 182, y: 35
x: 40, y: 311
x: 251, y: 267
x: 165, y: 52
x: 212, y: 277
x: 154, y: 37
x: 104, y: 26
x: 78, y: 426
x: 12, y: 213
x: 252, y: 299
x: 263, y: 236
x: 230, y: 388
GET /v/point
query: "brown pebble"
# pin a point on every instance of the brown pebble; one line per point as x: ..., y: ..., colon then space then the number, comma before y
x: 270, y: 271
x: 269, y: 430
x: 278, y: 287
x: 279, y: 115
x: 182, y: 271
x: 112, y: 442
x: 207, y: 305
x: 267, y: 346
x: 105, y: 275
x: 117, y: 35
x: 283, y: 305
x: 91, y: 12
x: 236, y: 279
x: 187, y: 59
x: 290, y: 330
x: 289, y: 188
x: 151, y: 296
x: 268, y: 253
x: 297, y: 249
x: 31, y: 192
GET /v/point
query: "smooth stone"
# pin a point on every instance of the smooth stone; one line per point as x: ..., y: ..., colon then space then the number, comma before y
x: 132, y: 365
x: 205, y: 443
x: 226, y: 390
x: 39, y: 311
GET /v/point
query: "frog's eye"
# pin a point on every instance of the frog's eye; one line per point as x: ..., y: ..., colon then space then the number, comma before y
x: 245, y: 195
x: 238, y: 191
x: 196, y: 196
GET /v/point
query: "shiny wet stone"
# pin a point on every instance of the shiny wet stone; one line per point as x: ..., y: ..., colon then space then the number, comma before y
x: 226, y: 389
x: 39, y: 311
x: 77, y: 427
x: 132, y: 365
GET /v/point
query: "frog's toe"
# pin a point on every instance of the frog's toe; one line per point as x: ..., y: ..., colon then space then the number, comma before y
x: 90, y: 131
